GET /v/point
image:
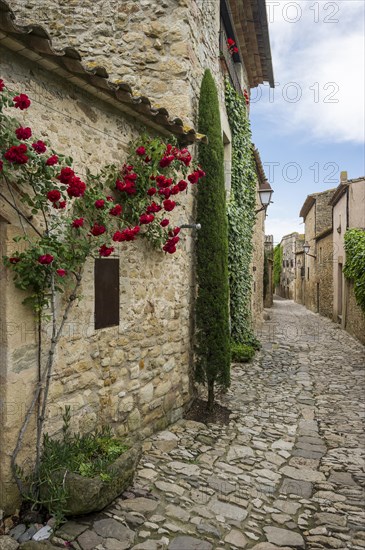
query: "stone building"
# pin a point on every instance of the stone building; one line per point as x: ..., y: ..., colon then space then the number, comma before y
x: 348, y: 204
x: 317, y: 216
x: 290, y: 244
x: 268, y: 270
x: 133, y: 375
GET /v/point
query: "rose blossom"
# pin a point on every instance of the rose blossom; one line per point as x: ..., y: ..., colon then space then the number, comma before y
x: 14, y: 260
x: 45, y: 259
x: 105, y: 251
x: 16, y: 154
x: 116, y: 210
x: 1, y: 165
x: 164, y: 222
x: 99, y: 203
x: 76, y: 187
x: 153, y: 208
x: 151, y: 191
x: 97, y: 230
x: 79, y: 222
x: 140, y: 151
x: 54, y: 195
x: 39, y: 147
x: 182, y: 185
x: 23, y: 133
x: 66, y: 175
x: 169, y: 205
x: 2, y: 84
x: 53, y: 159
x: 21, y: 101
x: 146, y: 218
x: 60, y: 205
x: 61, y: 272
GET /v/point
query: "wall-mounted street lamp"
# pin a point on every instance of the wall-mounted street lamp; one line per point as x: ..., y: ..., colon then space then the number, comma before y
x: 306, y: 249
x: 265, y: 194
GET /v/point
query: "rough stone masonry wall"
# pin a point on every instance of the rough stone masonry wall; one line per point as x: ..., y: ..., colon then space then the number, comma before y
x: 310, y: 283
x: 160, y: 47
x: 325, y: 275
x: 134, y: 377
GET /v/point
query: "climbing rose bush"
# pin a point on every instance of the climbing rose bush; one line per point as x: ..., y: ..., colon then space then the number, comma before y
x: 68, y: 217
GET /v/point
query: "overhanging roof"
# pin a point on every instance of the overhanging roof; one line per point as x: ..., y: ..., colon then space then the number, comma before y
x: 252, y: 32
x: 34, y: 43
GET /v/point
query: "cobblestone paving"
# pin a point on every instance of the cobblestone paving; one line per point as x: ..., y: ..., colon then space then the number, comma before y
x: 288, y: 470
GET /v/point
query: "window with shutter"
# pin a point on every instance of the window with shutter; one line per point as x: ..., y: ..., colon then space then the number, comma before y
x: 106, y: 281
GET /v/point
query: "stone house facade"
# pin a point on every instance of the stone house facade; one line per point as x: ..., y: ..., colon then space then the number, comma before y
x: 290, y: 244
x: 348, y: 212
x: 317, y: 216
x: 134, y: 376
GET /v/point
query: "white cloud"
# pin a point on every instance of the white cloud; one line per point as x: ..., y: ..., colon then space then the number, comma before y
x: 325, y: 62
x: 280, y: 227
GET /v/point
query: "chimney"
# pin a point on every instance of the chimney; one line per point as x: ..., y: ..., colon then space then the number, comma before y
x: 343, y: 177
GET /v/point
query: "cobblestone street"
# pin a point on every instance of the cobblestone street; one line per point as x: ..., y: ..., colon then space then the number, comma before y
x: 288, y: 470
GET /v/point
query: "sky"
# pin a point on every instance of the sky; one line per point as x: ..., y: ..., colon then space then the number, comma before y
x: 310, y: 127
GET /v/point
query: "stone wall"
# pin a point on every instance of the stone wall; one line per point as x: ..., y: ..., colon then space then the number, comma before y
x: 310, y: 278
x: 134, y: 377
x: 324, y: 275
x: 161, y: 48
x: 269, y: 258
x: 354, y: 321
x: 289, y: 244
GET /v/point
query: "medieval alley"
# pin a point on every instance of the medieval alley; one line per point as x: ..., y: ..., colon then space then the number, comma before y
x: 286, y: 472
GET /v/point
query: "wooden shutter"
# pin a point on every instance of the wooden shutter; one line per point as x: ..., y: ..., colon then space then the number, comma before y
x: 106, y: 277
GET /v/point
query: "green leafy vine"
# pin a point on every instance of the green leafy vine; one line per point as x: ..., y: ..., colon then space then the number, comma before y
x: 355, y: 263
x: 241, y: 218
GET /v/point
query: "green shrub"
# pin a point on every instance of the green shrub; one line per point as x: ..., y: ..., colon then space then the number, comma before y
x: 242, y: 353
x: 212, y: 304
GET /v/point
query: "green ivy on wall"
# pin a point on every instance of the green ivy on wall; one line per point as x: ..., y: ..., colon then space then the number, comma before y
x: 278, y: 262
x: 355, y: 263
x: 241, y: 218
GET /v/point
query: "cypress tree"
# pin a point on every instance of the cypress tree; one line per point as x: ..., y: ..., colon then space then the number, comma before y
x: 212, y: 309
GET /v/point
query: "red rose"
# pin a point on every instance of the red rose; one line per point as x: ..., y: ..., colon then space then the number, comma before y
x: 126, y: 234
x: 60, y: 205
x: 66, y: 175
x: 52, y: 160
x: 79, y: 222
x: 174, y: 231
x: 170, y: 245
x: 45, y: 259
x: 23, y: 133
x: 194, y: 177
x: 175, y: 190
x: 53, y: 195
x: 21, y: 101
x: 164, y: 222
x: 169, y: 205
x: 140, y: 151
x: 166, y: 161
x: 61, y: 272
x: 230, y: 42
x: 2, y: 84
x: 146, y: 218
x: 151, y: 191
x: 147, y: 160
x: 1, y: 165
x: 109, y: 198
x: 99, y: 203
x: 39, y: 147
x: 182, y: 185
x: 153, y: 207
x: 14, y: 260
x: 97, y: 230
x: 76, y: 187
x: 184, y: 156
x: 105, y: 251
x: 165, y: 192
x: 116, y: 210
x: 201, y: 173
x: 16, y: 154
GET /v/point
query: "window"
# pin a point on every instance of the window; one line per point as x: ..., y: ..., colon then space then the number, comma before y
x: 106, y: 288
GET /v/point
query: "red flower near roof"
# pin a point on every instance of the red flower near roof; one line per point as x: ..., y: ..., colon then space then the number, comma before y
x: 21, y: 101
x: 39, y: 147
x: 23, y: 133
